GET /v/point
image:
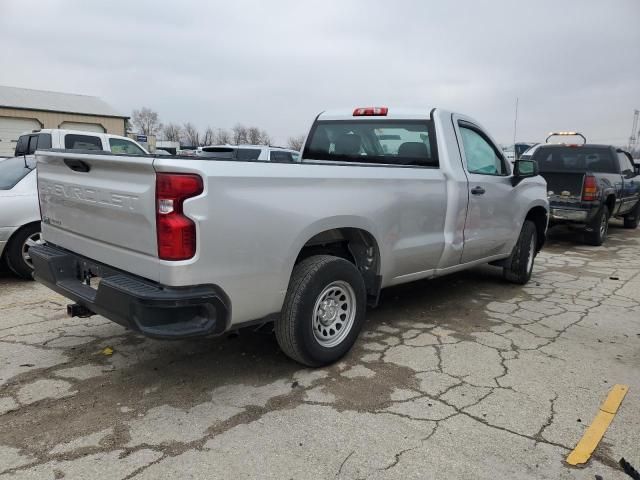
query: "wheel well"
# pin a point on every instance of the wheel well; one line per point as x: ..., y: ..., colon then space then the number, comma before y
x: 538, y: 215
x: 353, y: 244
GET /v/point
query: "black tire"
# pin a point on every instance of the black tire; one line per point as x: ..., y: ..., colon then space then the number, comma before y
x: 310, y: 282
x: 15, y: 260
x: 520, y: 265
x: 631, y: 220
x: 599, y: 228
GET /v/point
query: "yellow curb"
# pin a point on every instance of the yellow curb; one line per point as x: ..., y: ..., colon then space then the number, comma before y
x: 591, y: 438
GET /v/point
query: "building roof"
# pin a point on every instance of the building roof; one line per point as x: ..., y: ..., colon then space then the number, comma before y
x: 27, y: 99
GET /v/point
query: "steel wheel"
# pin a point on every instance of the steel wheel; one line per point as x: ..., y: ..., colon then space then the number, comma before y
x: 333, y: 313
x: 604, y: 225
x: 35, y: 239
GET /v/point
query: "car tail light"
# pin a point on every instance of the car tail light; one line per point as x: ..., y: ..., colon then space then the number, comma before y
x: 176, y: 232
x: 590, y: 188
x: 371, y: 112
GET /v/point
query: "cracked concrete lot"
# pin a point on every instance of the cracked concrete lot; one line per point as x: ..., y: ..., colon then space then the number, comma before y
x: 461, y: 377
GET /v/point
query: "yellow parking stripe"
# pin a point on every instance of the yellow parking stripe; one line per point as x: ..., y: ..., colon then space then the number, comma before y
x: 598, y: 427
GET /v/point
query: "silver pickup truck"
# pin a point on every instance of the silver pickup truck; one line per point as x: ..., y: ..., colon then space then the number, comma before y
x: 175, y: 247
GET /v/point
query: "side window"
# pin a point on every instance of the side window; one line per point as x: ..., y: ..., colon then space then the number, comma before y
x: 280, y: 156
x: 82, y: 142
x: 22, y: 147
x: 626, y: 168
x: 44, y: 141
x: 481, y: 156
x: 248, y: 154
x: 122, y: 146
x: 33, y: 144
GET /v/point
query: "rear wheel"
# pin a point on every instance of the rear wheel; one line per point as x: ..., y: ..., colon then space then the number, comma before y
x: 323, y: 312
x: 520, y: 265
x: 18, y: 257
x: 631, y: 220
x: 599, y: 228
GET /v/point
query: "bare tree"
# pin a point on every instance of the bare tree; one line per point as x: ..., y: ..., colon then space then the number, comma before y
x: 265, y: 138
x: 146, y: 121
x: 208, y: 138
x: 172, y: 132
x: 254, y: 135
x: 239, y: 134
x: 296, y: 143
x: 222, y: 137
x: 190, y: 135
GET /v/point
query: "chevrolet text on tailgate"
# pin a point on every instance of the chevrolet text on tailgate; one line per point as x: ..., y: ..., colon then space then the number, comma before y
x: 176, y: 248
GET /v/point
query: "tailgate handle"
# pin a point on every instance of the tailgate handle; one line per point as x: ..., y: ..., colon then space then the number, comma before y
x: 77, y: 165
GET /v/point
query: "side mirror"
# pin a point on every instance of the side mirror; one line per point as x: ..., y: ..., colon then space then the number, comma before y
x: 523, y: 169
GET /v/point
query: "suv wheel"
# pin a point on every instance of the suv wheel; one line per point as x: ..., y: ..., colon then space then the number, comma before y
x: 18, y: 257
x: 323, y: 312
x: 520, y: 265
x: 599, y: 228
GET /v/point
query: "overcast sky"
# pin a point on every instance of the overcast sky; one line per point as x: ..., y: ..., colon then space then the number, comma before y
x: 278, y: 63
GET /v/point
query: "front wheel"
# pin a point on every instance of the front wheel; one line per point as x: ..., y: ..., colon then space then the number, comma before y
x: 520, y: 265
x: 631, y: 220
x: 323, y: 312
x: 18, y: 256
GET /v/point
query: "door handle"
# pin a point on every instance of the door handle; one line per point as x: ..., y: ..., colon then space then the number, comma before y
x: 77, y: 165
x: 477, y: 190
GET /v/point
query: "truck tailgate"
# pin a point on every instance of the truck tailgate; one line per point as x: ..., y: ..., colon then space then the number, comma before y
x: 98, y: 199
x: 564, y: 188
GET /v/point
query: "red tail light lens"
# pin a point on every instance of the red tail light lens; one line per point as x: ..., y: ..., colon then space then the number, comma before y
x: 590, y: 188
x: 176, y: 232
x: 371, y: 112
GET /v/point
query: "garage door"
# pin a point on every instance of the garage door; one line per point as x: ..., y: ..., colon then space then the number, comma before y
x: 85, y: 127
x: 10, y: 129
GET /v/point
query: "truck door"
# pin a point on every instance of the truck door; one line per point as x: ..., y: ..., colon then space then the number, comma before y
x: 493, y: 207
x: 630, y: 183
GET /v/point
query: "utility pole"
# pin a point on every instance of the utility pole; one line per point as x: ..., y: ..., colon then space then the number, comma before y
x: 515, y: 128
x: 633, y: 138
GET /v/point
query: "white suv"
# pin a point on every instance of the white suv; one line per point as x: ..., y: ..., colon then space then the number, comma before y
x: 249, y: 153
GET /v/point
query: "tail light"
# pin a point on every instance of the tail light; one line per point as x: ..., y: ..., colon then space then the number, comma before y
x: 176, y: 232
x: 371, y: 112
x: 590, y: 188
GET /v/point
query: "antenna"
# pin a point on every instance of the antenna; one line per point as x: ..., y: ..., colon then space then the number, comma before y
x: 515, y: 127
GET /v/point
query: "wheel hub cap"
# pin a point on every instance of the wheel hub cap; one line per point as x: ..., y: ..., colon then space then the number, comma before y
x: 334, y: 313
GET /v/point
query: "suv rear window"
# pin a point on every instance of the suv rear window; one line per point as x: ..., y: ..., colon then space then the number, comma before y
x: 12, y: 170
x: 575, y: 159
x: 82, y: 142
x: 396, y: 142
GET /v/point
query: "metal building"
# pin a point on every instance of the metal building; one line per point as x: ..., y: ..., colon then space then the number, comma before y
x: 23, y: 110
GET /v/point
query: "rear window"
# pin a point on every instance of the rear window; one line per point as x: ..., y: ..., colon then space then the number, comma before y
x: 395, y: 142
x: 575, y: 159
x: 122, y: 146
x: 247, y: 154
x: 82, y: 142
x: 220, y: 153
x: 12, y: 170
x: 281, y: 157
x: 44, y: 141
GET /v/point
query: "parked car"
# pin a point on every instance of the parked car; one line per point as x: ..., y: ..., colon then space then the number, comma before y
x: 588, y: 184
x: 178, y: 248
x: 249, y: 153
x: 19, y: 210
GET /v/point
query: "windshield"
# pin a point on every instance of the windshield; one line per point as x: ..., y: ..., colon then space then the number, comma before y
x: 569, y: 159
x: 372, y: 141
x: 12, y: 171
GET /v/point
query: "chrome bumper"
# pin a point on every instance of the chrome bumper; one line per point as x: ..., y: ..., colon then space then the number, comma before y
x: 569, y: 214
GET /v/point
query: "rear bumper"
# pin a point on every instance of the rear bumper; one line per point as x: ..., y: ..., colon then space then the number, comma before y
x: 569, y: 214
x: 153, y: 309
